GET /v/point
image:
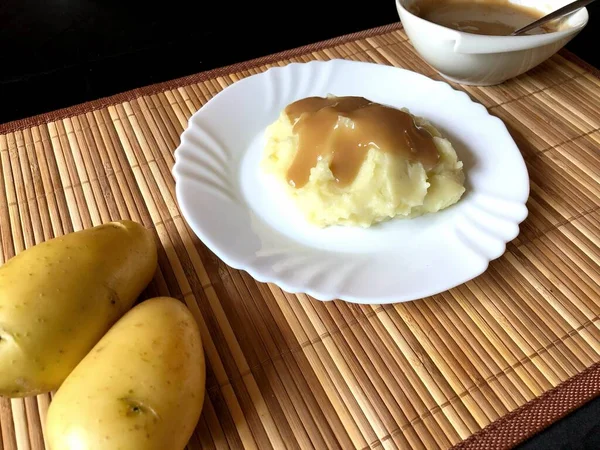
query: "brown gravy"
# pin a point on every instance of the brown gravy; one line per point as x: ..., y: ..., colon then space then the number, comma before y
x: 489, y: 17
x: 322, y: 131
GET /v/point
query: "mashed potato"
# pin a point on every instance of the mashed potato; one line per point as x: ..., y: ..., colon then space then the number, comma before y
x: 386, y: 186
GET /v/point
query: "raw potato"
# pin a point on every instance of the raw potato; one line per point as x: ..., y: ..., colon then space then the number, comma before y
x: 140, y: 388
x: 59, y: 297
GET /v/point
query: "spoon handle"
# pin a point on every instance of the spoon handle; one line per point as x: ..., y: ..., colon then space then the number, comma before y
x: 553, y: 15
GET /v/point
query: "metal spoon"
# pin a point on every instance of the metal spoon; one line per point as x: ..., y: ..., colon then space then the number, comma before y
x: 553, y: 15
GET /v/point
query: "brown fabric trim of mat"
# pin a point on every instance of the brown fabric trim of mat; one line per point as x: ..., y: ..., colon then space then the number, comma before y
x: 506, y: 432
x: 92, y: 105
x: 538, y: 414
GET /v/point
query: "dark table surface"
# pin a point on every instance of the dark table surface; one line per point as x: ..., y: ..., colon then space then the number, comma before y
x: 57, y: 53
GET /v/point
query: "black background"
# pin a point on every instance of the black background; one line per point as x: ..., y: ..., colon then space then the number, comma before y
x: 57, y: 53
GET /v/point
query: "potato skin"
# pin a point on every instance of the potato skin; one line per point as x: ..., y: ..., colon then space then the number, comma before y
x: 140, y: 388
x: 59, y: 297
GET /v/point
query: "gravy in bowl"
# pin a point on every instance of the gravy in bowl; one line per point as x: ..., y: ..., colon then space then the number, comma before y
x: 488, y: 17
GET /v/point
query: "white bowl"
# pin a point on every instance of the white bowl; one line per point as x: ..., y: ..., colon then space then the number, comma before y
x: 467, y: 58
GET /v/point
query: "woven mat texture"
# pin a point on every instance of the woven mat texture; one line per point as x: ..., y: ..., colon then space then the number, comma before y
x: 286, y: 371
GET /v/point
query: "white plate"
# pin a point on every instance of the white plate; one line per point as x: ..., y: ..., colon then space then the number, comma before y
x: 243, y: 218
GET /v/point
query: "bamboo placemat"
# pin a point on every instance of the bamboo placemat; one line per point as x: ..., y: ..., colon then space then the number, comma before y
x: 286, y: 371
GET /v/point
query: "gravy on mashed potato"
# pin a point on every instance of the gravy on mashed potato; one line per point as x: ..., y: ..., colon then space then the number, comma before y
x: 350, y: 161
x: 345, y: 128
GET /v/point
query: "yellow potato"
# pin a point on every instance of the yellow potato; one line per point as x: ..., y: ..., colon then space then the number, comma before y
x: 140, y: 388
x: 59, y: 297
